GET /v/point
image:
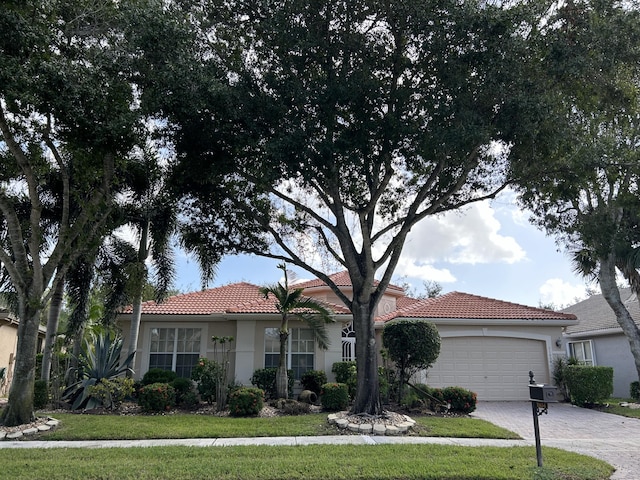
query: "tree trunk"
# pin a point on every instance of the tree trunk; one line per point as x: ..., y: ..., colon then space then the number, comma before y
x: 282, y: 380
x: 52, y: 330
x: 134, y: 330
x: 19, y: 409
x: 368, y: 389
x: 607, y: 278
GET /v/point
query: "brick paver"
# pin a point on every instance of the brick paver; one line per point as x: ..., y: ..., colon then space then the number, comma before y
x: 608, y: 437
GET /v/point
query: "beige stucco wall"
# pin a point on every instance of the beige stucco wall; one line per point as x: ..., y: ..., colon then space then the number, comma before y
x: 8, y: 341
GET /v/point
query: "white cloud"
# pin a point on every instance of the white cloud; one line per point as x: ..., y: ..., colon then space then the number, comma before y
x: 413, y: 268
x: 561, y: 294
x: 468, y: 237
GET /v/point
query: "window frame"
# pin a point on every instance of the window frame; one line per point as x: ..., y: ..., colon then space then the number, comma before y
x: 272, y: 349
x: 586, y: 346
x: 175, y: 352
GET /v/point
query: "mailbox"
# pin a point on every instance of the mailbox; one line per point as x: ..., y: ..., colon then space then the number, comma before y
x: 543, y: 393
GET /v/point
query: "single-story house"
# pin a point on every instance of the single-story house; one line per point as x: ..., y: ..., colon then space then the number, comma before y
x: 8, y: 346
x: 597, y: 338
x: 488, y: 346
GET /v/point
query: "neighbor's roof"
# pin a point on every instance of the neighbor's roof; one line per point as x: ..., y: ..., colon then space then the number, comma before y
x: 457, y: 305
x: 595, y: 314
x: 233, y: 298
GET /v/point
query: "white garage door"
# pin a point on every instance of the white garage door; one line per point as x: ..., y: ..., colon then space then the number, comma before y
x: 495, y: 368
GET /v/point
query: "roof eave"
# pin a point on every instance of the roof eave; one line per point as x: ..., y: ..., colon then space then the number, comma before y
x: 550, y: 322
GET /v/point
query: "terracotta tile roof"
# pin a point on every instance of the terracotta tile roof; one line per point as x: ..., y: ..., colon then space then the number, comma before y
x: 341, y: 279
x: 466, y: 306
x: 233, y: 298
x: 594, y: 314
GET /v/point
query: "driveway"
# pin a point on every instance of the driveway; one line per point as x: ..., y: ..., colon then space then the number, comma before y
x: 605, y: 436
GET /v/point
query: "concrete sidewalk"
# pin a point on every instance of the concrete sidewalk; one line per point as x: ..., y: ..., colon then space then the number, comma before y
x: 272, y: 441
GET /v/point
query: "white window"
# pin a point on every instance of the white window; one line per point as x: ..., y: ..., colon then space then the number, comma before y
x: 176, y: 349
x: 300, y: 350
x: 582, y: 352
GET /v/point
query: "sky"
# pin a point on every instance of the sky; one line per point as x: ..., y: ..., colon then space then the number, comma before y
x: 489, y: 249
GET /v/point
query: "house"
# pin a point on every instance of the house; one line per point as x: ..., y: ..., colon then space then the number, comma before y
x: 488, y: 346
x: 597, y: 338
x: 8, y: 345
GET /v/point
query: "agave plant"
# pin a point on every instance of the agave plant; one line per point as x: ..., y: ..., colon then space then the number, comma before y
x: 99, y: 360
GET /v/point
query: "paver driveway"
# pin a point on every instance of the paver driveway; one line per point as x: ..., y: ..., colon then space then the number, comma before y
x: 608, y: 437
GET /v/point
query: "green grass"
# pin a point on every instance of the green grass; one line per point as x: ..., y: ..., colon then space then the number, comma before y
x: 327, y: 462
x: 185, y: 425
x: 616, y: 409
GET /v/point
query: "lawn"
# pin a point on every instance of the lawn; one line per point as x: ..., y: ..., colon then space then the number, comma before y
x: 326, y: 462
x: 186, y: 425
x: 612, y: 406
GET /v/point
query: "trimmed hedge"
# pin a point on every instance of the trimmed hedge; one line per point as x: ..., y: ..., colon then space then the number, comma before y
x: 460, y: 399
x: 347, y: 373
x: 265, y: 379
x: 313, y: 380
x: 634, y: 390
x: 246, y: 401
x: 334, y: 396
x: 157, y: 397
x: 588, y: 385
x: 158, y: 375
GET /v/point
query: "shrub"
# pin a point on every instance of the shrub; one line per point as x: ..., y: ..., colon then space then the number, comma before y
x: 334, y: 396
x: 246, y: 401
x: 291, y: 407
x: 347, y: 373
x: 560, y: 365
x: 158, y: 375
x: 40, y: 394
x: 185, y: 393
x: 634, y: 390
x: 111, y: 393
x: 265, y: 379
x: 413, y: 345
x: 157, y: 397
x: 589, y: 385
x: 206, y: 374
x: 313, y: 380
x: 460, y: 399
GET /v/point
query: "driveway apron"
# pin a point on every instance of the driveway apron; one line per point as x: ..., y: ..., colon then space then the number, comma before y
x: 611, y: 438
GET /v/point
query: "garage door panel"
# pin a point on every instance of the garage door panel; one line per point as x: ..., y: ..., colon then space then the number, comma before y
x: 496, y: 368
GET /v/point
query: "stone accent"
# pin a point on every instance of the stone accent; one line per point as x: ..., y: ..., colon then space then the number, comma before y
x: 388, y: 424
x: 40, y: 425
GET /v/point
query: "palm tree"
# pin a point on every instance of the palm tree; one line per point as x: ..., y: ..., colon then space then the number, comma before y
x: 292, y: 303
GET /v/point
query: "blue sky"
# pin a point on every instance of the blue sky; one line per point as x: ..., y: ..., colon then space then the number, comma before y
x: 490, y: 249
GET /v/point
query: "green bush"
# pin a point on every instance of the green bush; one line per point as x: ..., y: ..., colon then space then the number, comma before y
x: 334, y: 396
x: 112, y: 392
x: 206, y: 374
x: 265, y: 379
x: 347, y: 373
x: 291, y: 407
x: 40, y: 394
x: 589, y: 385
x: 634, y: 390
x: 460, y: 399
x: 246, y: 401
x: 313, y: 380
x: 185, y: 393
x: 158, y: 375
x: 157, y: 397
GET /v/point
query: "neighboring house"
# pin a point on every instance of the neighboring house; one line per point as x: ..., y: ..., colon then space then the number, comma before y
x: 597, y: 339
x: 8, y: 345
x: 488, y: 346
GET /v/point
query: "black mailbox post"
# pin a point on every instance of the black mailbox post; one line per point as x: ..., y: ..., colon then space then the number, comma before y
x: 540, y: 396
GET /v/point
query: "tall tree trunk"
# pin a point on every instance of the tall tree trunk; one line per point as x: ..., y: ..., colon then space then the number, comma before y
x: 19, y: 409
x: 52, y: 329
x: 368, y: 389
x: 282, y: 377
x: 607, y: 278
x: 134, y: 330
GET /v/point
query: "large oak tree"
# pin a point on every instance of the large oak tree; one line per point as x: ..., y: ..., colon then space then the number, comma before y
x: 333, y: 127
